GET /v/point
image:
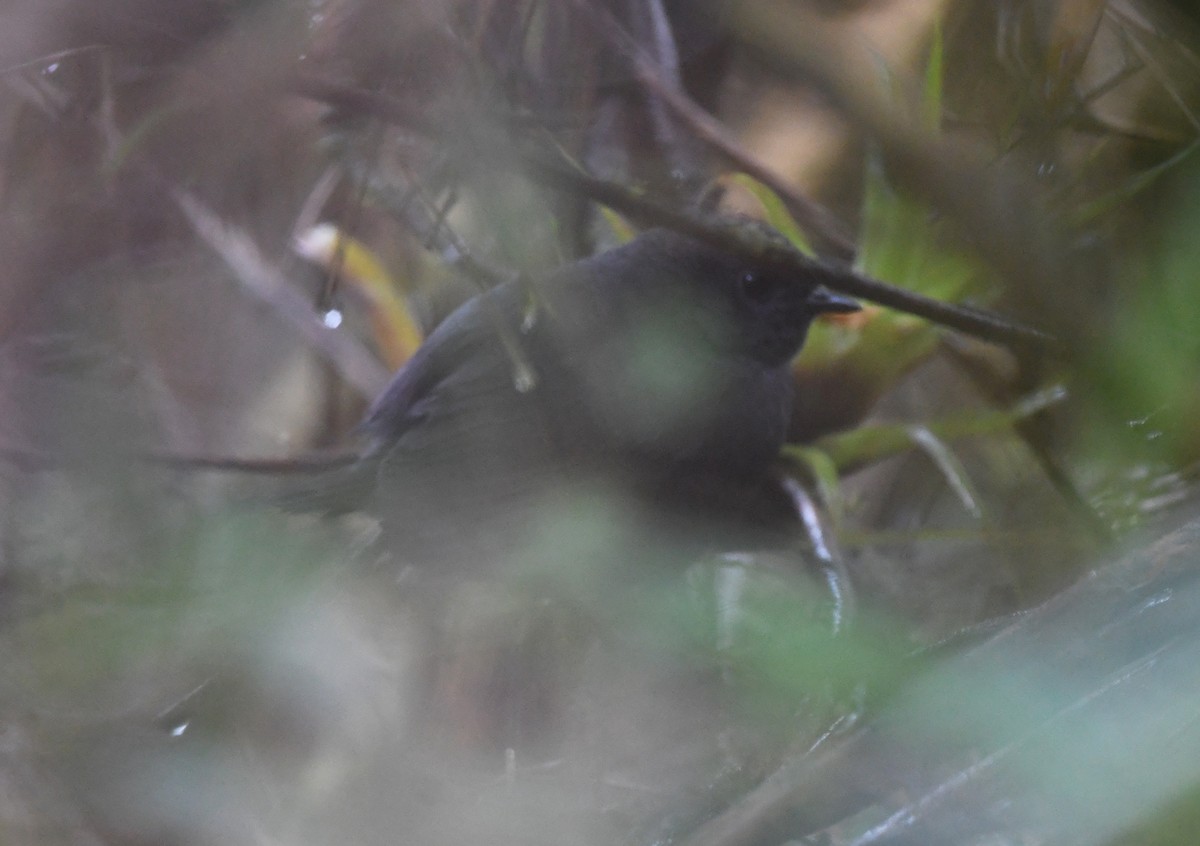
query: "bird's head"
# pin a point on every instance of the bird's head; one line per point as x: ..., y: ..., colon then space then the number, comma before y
x: 759, y: 310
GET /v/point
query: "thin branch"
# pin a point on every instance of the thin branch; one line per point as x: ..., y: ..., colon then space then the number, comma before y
x: 552, y: 172
x: 812, y: 216
x: 259, y: 277
x: 745, y: 241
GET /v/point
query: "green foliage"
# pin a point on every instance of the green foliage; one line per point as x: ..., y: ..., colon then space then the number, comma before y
x: 904, y: 243
x: 848, y: 450
x: 772, y: 635
x: 220, y: 589
x: 775, y: 212
x: 1147, y: 373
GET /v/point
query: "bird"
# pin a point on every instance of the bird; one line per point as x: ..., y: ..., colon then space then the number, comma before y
x: 556, y: 455
x: 652, y: 375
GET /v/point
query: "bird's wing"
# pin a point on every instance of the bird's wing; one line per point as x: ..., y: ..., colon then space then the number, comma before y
x: 462, y: 349
x: 464, y: 455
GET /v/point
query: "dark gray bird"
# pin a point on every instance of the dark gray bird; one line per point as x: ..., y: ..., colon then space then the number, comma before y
x: 656, y: 373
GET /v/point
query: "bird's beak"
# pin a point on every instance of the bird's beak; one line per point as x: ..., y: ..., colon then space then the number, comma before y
x: 824, y: 301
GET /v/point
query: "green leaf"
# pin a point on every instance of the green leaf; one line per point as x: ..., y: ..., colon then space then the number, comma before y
x: 776, y: 211
x: 932, y: 99
x: 866, y: 444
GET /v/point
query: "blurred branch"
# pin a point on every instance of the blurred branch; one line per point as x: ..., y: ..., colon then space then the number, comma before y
x: 646, y: 40
x: 551, y: 170
x: 812, y: 216
x: 811, y: 790
x: 428, y: 222
x: 249, y: 265
x: 261, y: 279
x: 1077, y: 717
x: 413, y: 205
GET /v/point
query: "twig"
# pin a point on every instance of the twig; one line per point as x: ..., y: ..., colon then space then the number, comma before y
x: 741, y: 240
x: 261, y: 279
x: 814, y: 218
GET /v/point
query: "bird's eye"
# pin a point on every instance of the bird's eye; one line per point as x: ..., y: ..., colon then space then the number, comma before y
x: 756, y: 287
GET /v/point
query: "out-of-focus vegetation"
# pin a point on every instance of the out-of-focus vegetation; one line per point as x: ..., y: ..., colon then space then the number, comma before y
x: 983, y: 631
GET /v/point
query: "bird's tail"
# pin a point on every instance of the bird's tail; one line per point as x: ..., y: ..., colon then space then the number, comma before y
x: 335, y: 490
x: 336, y: 483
